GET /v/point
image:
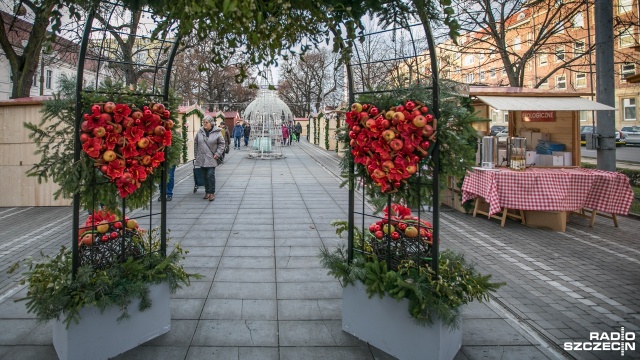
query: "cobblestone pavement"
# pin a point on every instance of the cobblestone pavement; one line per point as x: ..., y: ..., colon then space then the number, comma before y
x: 257, y: 246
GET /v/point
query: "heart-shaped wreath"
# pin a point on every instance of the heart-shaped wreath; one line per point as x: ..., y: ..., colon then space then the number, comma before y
x: 390, y: 144
x: 126, y: 143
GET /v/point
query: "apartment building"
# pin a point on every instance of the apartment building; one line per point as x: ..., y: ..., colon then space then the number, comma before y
x: 550, y: 55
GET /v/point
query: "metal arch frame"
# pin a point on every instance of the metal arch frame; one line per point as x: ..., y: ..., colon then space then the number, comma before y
x: 164, y: 95
x: 435, y: 106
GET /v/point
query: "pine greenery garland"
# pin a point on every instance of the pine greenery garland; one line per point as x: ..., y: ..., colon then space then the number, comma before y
x: 54, y: 138
x: 184, y: 133
x: 430, y: 297
x: 54, y: 293
x: 326, y: 133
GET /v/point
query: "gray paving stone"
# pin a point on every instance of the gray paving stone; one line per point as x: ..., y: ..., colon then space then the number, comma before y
x: 248, y: 251
x: 245, y: 275
x: 153, y: 353
x: 490, y: 332
x: 212, y: 352
x: 180, y: 335
x: 13, y: 330
x: 247, y: 262
x: 303, y: 275
x: 315, y: 290
x: 298, y: 262
x: 314, y: 333
x: 258, y: 353
x: 185, y: 309
x: 236, y: 333
x: 28, y: 353
x: 325, y: 352
x: 232, y: 290
x: 503, y: 352
x: 318, y: 309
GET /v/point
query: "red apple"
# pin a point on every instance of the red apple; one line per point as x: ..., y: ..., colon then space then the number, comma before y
x: 388, y: 135
x: 356, y: 129
x: 411, y: 169
x: 99, y: 131
x: 429, y: 117
x: 374, y: 111
x: 143, y: 142
x: 117, y: 128
x: 109, y: 155
x: 352, y: 135
x: 105, y: 117
x: 378, y: 234
x: 395, y: 235
x: 128, y: 122
x: 385, y: 123
x: 396, y: 144
x: 387, y: 165
x: 136, y: 114
x: 109, y: 107
x: 427, y: 130
x: 104, y: 169
x: 96, y: 109
x: 157, y: 108
x: 84, y: 137
x: 169, y: 124
x: 166, y: 114
x: 419, y: 121
x: 424, y: 109
x: 370, y: 123
x: 399, y: 108
x: 84, y: 126
x: 109, y: 128
x: 398, y: 116
x: 146, y: 160
x: 409, y: 105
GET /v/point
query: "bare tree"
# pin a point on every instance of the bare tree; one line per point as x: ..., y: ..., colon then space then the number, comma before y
x: 198, y: 80
x: 307, y: 81
x: 511, y: 35
x: 25, y: 35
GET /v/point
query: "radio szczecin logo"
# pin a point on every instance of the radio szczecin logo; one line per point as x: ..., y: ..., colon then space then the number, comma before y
x: 606, y: 341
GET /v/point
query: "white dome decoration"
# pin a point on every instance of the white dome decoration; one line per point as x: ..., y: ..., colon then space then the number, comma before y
x: 266, y: 114
x: 267, y: 102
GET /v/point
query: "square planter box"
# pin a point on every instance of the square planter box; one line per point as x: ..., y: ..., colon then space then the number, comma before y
x: 100, y: 336
x: 386, y: 324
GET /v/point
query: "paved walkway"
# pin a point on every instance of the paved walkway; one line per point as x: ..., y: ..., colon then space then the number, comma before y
x: 265, y: 296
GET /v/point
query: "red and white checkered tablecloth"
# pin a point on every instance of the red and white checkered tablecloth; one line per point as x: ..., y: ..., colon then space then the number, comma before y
x: 565, y: 189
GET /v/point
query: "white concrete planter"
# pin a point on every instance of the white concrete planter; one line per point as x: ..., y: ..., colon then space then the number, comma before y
x: 100, y: 336
x: 386, y: 324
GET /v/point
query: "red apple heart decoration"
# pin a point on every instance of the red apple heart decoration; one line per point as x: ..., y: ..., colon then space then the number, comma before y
x: 390, y: 144
x: 126, y: 144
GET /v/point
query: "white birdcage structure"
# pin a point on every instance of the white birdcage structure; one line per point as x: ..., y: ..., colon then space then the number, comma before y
x: 266, y: 114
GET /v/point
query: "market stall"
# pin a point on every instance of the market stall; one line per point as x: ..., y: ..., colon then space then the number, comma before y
x: 536, y: 177
x: 538, y: 115
x: 546, y: 196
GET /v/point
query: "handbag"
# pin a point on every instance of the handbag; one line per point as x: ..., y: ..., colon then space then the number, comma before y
x: 226, y: 149
x: 219, y: 159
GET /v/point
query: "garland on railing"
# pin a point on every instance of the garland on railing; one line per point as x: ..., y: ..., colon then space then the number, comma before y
x: 326, y: 133
x: 184, y: 132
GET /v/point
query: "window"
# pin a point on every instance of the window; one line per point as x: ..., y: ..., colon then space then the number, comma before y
x: 582, y: 115
x: 468, y: 60
x: 529, y: 65
x: 578, y: 48
x: 629, y: 108
x: 578, y: 20
x: 529, y: 38
x: 470, y: 78
x: 35, y: 80
x: 516, y: 43
x: 505, y: 117
x: 581, y: 80
x: 626, y: 38
x: 529, y: 84
x: 561, y: 82
x: 481, y: 74
x: 559, y: 53
x: 457, y: 70
x: 481, y: 56
x: 624, y: 5
x: 495, y: 115
x: 492, y: 72
x: 504, y: 72
x: 627, y: 70
x: 544, y: 84
x: 542, y: 60
x: 521, y: 16
x: 49, y: 78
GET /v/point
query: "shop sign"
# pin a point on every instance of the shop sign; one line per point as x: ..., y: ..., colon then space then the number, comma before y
x: 538, y: 116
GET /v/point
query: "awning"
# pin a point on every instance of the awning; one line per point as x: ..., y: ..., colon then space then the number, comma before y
x: 542, y: 103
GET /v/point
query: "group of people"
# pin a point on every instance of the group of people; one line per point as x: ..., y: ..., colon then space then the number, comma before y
x: 212, y: 142
x: 291, y: 132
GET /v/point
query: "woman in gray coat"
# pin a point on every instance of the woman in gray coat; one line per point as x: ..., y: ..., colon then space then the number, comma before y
x: 208, y: 147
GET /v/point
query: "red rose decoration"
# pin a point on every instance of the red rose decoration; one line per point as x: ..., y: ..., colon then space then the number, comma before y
x: 390, y: 144
x: 127, y: 144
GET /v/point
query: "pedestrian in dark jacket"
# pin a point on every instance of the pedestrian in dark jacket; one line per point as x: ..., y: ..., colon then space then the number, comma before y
x: 208, y: 147
x: 290, y: 128
x: 247, y: 133
x: 238, y: 133
x: 298, y: 131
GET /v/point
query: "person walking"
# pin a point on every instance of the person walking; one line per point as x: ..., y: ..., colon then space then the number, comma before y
x: 285, y: 134
x: 290, y: 128
x: 170, y: 182
x: 298, y: 131
x: 227, y: 138
x: 238, y: 133
x: 247, y: 133
x: 208, y: 147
